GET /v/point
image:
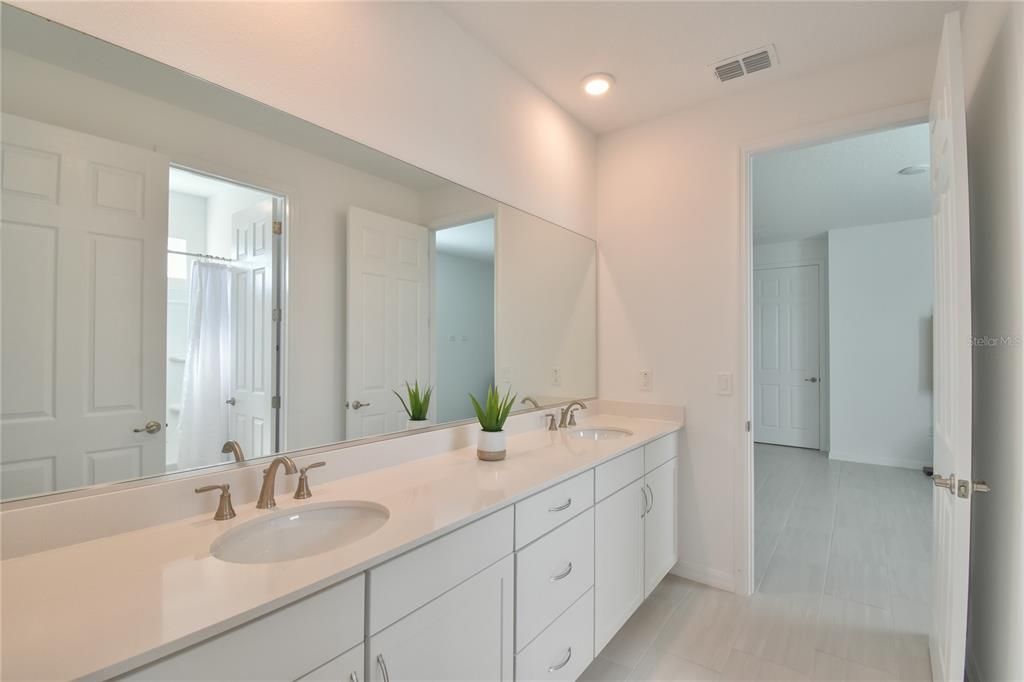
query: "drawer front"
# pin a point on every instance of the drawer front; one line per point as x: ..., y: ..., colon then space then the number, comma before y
x: 282, y: 645
x: 406, y: 583
x: 565, y: 649
x: 345, y: 668
x: 551, y: 574
x: 660, y: 451
x: 550, y: 508
x: 618, y: 473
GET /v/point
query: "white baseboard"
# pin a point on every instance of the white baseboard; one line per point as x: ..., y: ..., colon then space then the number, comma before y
x: 712, y: 577
x: 899, y: 462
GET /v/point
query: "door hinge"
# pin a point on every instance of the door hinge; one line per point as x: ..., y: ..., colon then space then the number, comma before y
x: 275, y: 402
x: 748, y: 426
x: 275, y: 315
x: 278, y: 228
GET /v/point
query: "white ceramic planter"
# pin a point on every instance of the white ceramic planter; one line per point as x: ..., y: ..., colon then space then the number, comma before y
x: 417, y: 423
x: 491, y: 446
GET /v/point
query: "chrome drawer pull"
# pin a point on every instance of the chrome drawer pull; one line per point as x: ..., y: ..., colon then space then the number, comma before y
x: 354, y: 677
x: 564, y: 574
x: 643, y: 491
x: 651, y: 506
x: 561, y: 507
x: 383, y: 667
x: 565, y: 662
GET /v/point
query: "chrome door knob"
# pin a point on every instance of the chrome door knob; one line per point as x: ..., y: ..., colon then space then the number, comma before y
x: 357, y: 404
x: 150, y: 427
x: 813, y: 380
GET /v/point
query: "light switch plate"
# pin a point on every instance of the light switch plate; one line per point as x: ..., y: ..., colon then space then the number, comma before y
x: 725, y: 383
x: 646, y: 381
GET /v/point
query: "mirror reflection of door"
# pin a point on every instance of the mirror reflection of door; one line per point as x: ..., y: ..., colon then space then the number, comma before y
x: 221, y: 328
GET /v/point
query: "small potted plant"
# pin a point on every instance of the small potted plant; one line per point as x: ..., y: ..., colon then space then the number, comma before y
x: 492, y: 415
x: 418, y: 405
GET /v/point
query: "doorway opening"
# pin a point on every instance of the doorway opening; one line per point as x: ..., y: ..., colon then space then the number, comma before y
x: 841, y: 304
x: 224, y: 274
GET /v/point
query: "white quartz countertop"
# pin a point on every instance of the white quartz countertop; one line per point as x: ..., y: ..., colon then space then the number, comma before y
x: 103, y: 607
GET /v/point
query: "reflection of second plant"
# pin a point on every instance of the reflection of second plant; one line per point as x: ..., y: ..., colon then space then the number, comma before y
x: 418, y: 404
x: 495, y: 410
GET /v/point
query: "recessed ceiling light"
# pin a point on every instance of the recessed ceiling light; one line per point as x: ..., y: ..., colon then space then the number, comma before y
x: 914, y: 170
x: 596, y: 84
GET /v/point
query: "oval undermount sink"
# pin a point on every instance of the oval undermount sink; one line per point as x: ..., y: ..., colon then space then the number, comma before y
x: 600, y: 434
x: 299, y: 532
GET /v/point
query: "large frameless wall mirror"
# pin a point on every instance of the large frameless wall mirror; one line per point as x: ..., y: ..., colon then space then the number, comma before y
x: 185, y: 269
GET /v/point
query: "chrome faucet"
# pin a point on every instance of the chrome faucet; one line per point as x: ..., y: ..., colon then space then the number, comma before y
x: 235, y: 448
x: 266, y: 500
x: 569, y: 414
x: 529, y: 400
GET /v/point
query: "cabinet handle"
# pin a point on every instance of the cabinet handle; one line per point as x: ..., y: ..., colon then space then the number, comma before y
x: 561, y: 507
x: 383, y: 667
x: 564, y: 662
x: 651, y: 491
x: 643, y: 491
x: 563, y: 575
x: 354, y: 677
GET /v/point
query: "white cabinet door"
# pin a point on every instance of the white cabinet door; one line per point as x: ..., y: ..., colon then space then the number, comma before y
x: 345, y: 668
x: 465, y: 634
x: 660, y: 537
x: 619, y: 560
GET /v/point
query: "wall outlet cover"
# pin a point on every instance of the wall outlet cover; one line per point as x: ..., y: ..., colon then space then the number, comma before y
x: 646, y: 381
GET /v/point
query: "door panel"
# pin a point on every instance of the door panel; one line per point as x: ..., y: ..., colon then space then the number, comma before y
x: 83, y: 300
x: 786, y: 356
x: 952, y: 358
x: 388, y: 319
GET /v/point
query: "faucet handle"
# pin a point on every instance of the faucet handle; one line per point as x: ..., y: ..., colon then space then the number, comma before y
x: 572, y: 415
x: 552, y: 422
x: 302, y: 491
x: 224, y: 509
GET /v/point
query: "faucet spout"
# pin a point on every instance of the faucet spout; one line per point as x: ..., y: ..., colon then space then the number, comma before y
x: 529, y: 400
x: 235, y: 448
x: 266, y: 499
x: 569, y: 414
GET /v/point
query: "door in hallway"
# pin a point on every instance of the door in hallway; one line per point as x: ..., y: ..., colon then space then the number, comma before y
x: 786, y: 356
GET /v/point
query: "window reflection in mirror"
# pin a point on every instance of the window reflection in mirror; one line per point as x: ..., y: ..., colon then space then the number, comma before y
x: 183, y: 267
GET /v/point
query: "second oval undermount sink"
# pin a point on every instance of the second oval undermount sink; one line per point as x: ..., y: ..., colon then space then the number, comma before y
x: 607, y: 433
x: 299, y: 532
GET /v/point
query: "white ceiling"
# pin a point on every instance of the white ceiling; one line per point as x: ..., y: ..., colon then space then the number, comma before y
x: 660, y: 52
x: 805, y: 192
x: 475, y: 240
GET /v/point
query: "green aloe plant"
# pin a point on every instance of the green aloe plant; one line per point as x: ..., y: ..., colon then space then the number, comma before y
x: 495, y: 410
x: 419, y: 401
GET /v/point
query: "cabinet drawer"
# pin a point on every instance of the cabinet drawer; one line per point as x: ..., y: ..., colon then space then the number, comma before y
x: 345, y: 668
x: 660, y: 451
x: 406, y: 583
x: 565, y: 649
x: 551, y: 574
x: 549, y: 508
x: 282, y: 645
x: 618, y: 473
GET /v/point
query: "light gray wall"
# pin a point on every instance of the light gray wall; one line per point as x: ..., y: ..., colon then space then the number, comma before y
x: 994, y: 71
x: 465, y: 333
x: 880, y: 288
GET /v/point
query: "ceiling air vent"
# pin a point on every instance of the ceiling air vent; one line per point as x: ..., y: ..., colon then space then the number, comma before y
x: 749, y: 62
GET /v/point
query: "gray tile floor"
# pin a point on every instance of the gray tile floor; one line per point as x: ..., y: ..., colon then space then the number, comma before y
x: 842, y: 562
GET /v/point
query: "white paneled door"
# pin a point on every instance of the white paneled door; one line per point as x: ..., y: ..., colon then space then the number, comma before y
x: 84, y: 278
x: 952, y: 361
x: 388, y: 319
x: 250, y: 419
x: 787, y: 377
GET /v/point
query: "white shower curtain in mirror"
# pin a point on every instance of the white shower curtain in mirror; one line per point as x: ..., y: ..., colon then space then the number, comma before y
x: 207, y: 383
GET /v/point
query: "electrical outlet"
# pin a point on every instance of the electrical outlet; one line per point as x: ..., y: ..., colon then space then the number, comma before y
x: 725, y: 383
x: 645, y: 380
x: 556, y: 377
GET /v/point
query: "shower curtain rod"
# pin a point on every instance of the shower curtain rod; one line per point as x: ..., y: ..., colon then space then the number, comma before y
x: 200, y: 255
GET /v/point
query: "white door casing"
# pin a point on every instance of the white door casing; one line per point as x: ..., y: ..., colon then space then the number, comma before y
x: 951, y: 358
x: 787, y: 377
x: 84, y: 294
x: 251, y: 420
x: 388, y: 313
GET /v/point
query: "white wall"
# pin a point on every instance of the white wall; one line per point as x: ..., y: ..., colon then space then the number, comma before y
x: 464, y: 331
x: 880, y: 297
x: 319, y: 192
x: 993, y: 36
x: 668, y: 214
x: 809, y: 251
x: 403, y: 78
